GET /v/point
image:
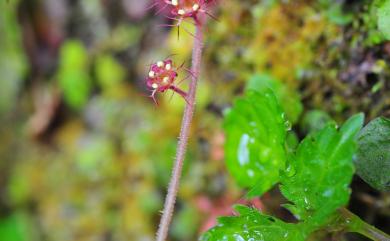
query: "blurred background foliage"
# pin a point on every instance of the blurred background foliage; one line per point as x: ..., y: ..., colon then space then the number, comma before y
x: 84, y: 155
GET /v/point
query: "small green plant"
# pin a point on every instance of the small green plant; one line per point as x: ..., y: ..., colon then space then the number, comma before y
x: 314, y: 177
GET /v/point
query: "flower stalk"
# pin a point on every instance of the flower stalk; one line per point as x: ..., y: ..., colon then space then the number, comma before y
x: 170, y: 200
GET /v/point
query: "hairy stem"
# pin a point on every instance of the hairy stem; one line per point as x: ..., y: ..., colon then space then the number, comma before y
x: 354, y: 224
x: 181, y: 92
x: 183, y: 138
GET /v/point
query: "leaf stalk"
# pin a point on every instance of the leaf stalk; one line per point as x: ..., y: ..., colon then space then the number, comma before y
x: 354, y: 224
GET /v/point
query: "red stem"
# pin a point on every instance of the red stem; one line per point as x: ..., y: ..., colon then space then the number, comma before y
x: 183, y: 138
x: 179, y: 91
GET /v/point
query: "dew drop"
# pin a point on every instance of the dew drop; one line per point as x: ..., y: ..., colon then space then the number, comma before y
x: 243, y: 150
x: 290, y: 170
x: 250, y: 173
x: 238, y: 237
x: 287, y: 125
x: 327, y: 192
x: 307, y: 204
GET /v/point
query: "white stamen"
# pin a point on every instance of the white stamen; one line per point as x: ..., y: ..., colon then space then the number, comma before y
x: 181, y: 12
x: 195, y: 7
x: 168, y: 66
x: 151, y: 74
x: 174, y: 2
x: 160, y: 64
x: 154, y: 86
x: 165, y: 80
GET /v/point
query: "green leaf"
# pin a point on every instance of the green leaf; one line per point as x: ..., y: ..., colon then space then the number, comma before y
x: 288, y: 98
x: 255, y: 135
x: 252, y: 225
x: 73, y: 75
x: 373, y: 156
x: 384, y: 18
x: 322, y: 171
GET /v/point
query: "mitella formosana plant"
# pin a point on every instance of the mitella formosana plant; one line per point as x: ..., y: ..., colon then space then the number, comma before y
x: 314, y: 175
x: 163, y: 76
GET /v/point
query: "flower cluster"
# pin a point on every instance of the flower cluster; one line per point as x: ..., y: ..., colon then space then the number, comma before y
x: 162, y: 77
x: 182, y: 9
x: 186, y: 8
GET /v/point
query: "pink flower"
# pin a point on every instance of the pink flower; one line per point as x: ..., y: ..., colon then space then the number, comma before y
x: 186, y: 8
x: 182, y: 9
x: 162, y: 77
